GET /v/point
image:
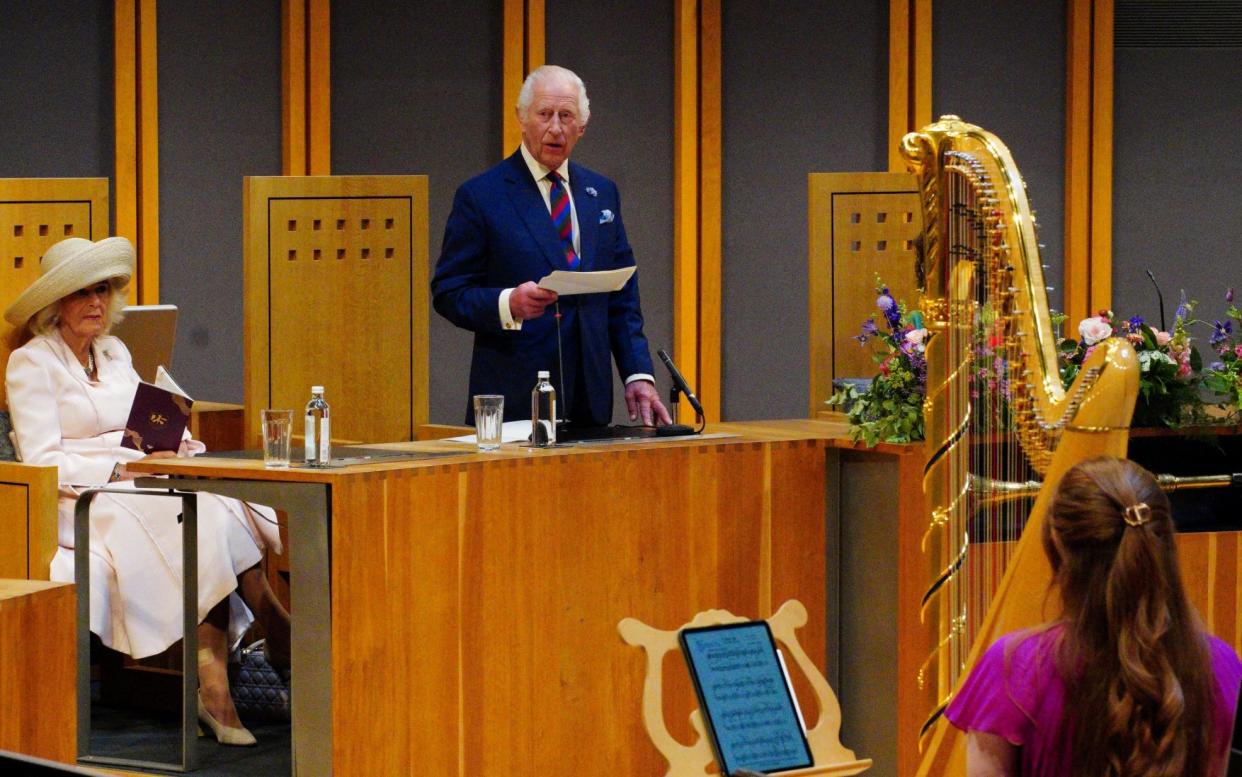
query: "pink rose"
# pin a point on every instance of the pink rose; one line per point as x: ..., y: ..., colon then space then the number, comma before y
x: 916, y: 336
x: 1183, y: 369
x: 1163, y: 338
x: 1094, y: 329
x: 1237, y: 350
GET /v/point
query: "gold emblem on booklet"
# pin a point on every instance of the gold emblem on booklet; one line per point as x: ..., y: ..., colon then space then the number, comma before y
x: 158, y: 419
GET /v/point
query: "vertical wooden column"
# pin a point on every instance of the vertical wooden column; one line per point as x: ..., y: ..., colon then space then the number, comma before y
x: 909, y: 73
x: 136, y: 104
x: 1088, y: 157
x: 697, y: 197
x: 524, y: 31
x: 306, y: 87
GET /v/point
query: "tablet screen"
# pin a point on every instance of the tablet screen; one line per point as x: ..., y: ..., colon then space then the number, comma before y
x: 746, y: 703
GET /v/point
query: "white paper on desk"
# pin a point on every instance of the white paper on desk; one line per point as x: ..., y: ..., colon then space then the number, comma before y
x: 510, y: 431
x: 566, y: 282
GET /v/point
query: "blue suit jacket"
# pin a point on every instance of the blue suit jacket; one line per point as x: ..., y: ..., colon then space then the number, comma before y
x: 499, y: 235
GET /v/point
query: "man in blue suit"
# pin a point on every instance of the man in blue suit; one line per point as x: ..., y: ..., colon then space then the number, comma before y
x: 533, y: 213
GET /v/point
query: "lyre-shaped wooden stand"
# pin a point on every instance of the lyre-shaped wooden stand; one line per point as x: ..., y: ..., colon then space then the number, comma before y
x: 692, y: 761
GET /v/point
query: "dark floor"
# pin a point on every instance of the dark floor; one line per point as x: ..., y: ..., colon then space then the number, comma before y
x: 123, y: 733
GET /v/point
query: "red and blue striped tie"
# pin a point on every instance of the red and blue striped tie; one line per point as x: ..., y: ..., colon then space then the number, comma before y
x: 562, y: 219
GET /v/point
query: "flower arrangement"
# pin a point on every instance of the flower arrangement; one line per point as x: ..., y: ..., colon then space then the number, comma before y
x: 891, y: 408
x: 1223, y: 377
x: 1169, y: 364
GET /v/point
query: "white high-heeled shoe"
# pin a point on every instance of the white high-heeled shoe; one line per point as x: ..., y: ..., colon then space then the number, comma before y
x: 225, y: 735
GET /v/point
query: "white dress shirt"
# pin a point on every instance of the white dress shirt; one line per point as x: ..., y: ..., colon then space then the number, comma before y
x: 540, y: 173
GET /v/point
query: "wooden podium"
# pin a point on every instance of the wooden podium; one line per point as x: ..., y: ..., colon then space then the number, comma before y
x: 457, y: 614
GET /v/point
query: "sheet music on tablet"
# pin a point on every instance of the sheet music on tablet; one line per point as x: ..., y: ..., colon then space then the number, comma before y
x: 751, y: 715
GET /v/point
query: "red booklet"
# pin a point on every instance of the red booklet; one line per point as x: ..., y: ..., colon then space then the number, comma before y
x: 157, y: 419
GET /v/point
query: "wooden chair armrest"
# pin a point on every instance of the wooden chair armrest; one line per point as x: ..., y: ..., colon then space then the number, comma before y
x: 28, y: 496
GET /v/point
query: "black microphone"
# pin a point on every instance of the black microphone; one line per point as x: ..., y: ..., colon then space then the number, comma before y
x: 1159, y: 298
x: 680, y: 382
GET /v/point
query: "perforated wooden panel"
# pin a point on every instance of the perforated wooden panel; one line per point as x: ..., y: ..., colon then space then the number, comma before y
x: 34, y: 214
x: 336, y: 295
x: 861, y: 225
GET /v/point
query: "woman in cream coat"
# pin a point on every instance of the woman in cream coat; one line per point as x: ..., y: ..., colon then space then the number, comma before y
x: 70, y: 388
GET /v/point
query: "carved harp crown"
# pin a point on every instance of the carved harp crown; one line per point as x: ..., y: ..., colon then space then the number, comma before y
x: 999, y: 424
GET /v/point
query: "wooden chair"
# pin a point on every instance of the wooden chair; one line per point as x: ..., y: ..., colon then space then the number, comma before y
x: 34, y: 214
x: 831, y: 757
x: 336, y: 280
x: 861, y: 225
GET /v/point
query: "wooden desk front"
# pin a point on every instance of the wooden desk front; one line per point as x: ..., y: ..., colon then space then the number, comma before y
x: 471, y: 607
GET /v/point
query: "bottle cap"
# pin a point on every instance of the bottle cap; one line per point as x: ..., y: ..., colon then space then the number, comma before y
x: 544, y: 375
x: 316, y: 389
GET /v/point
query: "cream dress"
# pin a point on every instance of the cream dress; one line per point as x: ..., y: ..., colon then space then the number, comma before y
x: 64, y: 418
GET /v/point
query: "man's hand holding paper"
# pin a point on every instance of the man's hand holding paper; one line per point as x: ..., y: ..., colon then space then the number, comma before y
x: 569, y: 282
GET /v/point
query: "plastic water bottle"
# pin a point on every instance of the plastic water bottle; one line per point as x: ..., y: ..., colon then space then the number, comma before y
x: 318, y: 430
x: 543, y: 412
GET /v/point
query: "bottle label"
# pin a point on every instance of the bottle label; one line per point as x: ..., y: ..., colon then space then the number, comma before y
x: 325, y: 443
x: 311, y: 449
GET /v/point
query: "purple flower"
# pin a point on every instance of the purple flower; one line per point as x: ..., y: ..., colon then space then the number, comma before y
x: 1216, y: 366
x: 892, y: 313
x: 869, y: 330
x: 1221, y: 332
x: 1182, y: 307
x: 1229, y: 294
x: 1136, y: 323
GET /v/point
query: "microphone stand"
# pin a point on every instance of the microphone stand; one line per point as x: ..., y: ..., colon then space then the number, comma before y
x: 1159, y: 298
x: 560, y: 366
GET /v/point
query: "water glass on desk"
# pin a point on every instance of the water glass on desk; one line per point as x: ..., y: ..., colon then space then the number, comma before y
x: 277, y: 430
x: 489, y: 416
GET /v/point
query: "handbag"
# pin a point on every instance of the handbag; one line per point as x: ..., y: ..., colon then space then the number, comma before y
x: 259, y: 691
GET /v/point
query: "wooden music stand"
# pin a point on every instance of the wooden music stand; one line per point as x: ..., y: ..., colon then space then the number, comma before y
x: 831, y: 757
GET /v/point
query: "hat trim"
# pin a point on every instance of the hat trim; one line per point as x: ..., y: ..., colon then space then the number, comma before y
x: 61, y: 281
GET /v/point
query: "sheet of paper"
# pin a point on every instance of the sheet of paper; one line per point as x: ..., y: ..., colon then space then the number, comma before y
x: 566, y: 282
x: 510, y: 431
x: 166, y: 382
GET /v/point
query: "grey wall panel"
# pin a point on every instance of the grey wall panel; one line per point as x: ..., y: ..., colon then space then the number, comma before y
x: 416, y: 89
x: 1176, y: 174
x: 56, y: 114
x: 626, y: 63
x: 219, y: 106
x: 805, y: 90
x: 1003, y: 68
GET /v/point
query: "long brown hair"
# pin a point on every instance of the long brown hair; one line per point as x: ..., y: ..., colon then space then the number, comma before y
x: 1134, y: 657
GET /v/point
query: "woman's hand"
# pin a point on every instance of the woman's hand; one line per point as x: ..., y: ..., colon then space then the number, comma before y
x: 121, y: 472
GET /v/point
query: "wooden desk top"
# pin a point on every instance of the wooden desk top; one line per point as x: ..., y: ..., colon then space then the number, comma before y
x: 834, y: 432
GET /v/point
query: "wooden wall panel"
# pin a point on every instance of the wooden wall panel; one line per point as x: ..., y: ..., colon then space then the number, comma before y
x: 136, y: 100
x: 861, y: 226
x: 34, y: 214
x: 336, y: 279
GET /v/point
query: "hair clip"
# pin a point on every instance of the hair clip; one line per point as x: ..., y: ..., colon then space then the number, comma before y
x: 1137, y: 515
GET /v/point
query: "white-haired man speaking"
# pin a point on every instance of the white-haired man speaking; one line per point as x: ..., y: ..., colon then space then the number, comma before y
x: 533, y: 213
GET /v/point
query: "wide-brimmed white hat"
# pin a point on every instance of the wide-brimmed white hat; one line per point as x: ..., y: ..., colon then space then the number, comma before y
x: 73, y: 263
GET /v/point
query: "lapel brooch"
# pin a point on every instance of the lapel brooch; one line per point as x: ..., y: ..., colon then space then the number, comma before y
x: 605, y: 216
x: 591, y: 191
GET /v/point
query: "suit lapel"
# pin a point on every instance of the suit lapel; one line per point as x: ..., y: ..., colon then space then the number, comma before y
x: 528, y: 202
x: 587, y: 208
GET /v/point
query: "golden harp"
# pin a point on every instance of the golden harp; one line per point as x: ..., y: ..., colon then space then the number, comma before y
x: 1000, y: 427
